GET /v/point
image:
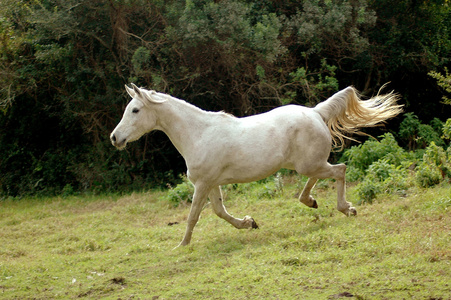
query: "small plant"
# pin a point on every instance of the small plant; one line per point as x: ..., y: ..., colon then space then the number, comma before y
x: 427, y: 175
x: 182, y: 193
x: 68, y: 190
x: 368, y: 190
x: 278, y: 181
x: 382, y: 177
x: 272, y: 188
x: 435, y: 166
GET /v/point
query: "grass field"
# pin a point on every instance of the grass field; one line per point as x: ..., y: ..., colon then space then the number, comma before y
x: 121, y: 247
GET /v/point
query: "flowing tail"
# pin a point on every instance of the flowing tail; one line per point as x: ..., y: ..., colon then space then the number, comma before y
x: 344, y: 113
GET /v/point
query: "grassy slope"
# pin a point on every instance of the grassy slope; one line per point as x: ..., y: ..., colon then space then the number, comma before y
x: 121, y: 247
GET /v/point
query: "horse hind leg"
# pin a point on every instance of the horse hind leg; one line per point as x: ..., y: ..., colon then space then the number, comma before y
x: 337, y: 172
x: 216, y: 200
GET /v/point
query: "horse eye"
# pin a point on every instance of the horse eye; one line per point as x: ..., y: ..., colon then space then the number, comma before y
x: 135, y: 111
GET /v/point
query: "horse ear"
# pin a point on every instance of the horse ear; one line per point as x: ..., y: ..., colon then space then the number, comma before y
x: 151, y: 96
x: 154, y: 97
x: 130, y: 91
x: 137, y: 90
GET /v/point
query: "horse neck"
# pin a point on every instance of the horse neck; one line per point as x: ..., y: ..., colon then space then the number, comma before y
x: 182, y: 122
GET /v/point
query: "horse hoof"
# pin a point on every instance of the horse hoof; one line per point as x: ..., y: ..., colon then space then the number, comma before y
x: 254, y: 224
x: 315, y: 204
x: 249, y: 222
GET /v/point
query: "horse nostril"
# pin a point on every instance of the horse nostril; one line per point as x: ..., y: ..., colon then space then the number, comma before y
x: 113, y: 138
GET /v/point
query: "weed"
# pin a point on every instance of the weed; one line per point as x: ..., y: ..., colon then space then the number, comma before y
x: 382, y: 177
x: 434, y: 167
x: 182, y: 193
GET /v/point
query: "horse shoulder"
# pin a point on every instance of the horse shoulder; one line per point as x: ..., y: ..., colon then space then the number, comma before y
x: 211, y: 142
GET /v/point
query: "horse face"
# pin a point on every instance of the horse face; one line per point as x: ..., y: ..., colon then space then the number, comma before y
x: 137, y: 120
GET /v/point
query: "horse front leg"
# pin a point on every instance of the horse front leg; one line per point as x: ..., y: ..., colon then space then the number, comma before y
x: 305, y: 197
x: 216, y: 200
x: 199, y: 199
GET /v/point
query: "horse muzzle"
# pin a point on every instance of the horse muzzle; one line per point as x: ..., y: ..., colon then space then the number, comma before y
x: 118, y: 143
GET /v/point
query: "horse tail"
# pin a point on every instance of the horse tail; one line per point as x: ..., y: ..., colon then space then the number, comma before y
x: 345, y: 112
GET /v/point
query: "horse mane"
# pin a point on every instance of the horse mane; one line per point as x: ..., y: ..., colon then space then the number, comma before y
x: 194, y: 107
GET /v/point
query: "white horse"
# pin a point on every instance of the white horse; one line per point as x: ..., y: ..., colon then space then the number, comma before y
x: 220, y: 149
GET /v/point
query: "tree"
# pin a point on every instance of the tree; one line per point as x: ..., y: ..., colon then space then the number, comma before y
x: 444, y: 81
x: 64, y: 65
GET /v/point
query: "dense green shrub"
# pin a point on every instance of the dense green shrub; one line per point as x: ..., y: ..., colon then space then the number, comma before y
x: 384, y: 167
x: 427, y: 175
x: 447, y: 130
x: 359, y: 158
x: 382, y: 177
x: 273, y: 186
x: 418, y: 135
x: 435, y: 166
x: 182, y: 193
x: 444, y: 81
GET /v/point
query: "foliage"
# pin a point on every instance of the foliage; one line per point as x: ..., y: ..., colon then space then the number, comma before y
x: 447, y: 129
x: 182, y: 193
x: 382, y: 177
x: 435, y: 166
x: 64, y: 65
x: 444, y: 81
x: 427, y: 175
x: 384, y: 167
x: 419, y: 135
x: 360, y: 158
x: 318, y: 83
x: 273, y: 186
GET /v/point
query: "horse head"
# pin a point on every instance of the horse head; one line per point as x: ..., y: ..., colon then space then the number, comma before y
x: 139, y: 116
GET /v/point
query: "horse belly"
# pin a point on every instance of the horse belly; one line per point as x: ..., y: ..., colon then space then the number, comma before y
x: 248, y: 168
x: 257, y: 156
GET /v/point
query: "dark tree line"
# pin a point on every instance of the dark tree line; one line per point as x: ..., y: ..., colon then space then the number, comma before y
x: 64, y: 64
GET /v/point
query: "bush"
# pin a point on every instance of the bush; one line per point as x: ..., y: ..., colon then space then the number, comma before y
x: 418, y: 135
x: 427, y: 175
x: 273, y: 187
x: 359, y: 158
x: 182, y: 193
x: 382, y: 167
x: 447, y: 130
x: 444, y: 81
x: 382, y: 177
x: 435, y: 166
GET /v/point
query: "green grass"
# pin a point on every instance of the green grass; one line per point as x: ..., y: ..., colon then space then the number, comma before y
x: 120, y: 247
